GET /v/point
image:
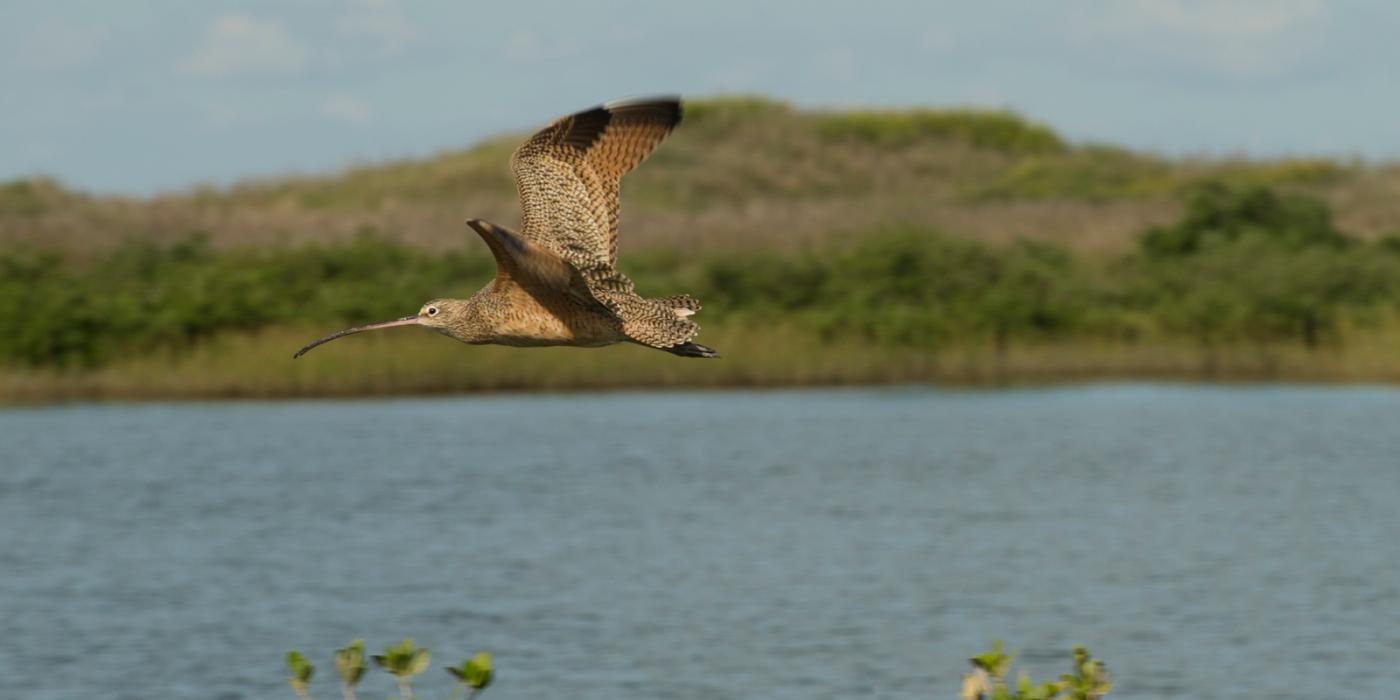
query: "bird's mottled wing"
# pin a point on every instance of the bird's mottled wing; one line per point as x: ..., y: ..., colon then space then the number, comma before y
x: 520, y: 261
x: 568, y: 175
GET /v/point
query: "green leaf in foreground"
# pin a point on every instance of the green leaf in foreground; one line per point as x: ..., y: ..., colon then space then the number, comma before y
x: 1025, y: 690
x: 350, y: 663
x: 402, y: 660
x: 1089, y: 681
x: 300, y: 671
x: 994, y: 662
x: 475, y: 672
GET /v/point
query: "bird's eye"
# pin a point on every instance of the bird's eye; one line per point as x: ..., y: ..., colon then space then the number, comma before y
x: 432, y: 310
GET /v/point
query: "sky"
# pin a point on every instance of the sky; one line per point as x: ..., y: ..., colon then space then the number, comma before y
x: 144, y: 96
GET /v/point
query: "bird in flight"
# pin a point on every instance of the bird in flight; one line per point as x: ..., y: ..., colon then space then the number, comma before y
x: 557, y: 281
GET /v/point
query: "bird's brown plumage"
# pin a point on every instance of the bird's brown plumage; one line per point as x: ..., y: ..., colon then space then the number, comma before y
x: 557, y: 281
x: 569, y: 174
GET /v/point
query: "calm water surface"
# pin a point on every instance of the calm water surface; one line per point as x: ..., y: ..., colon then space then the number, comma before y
x: 1206, y: 542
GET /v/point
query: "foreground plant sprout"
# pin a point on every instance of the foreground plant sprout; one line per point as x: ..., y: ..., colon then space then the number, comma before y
x: 350, y: 664
x: 474, y: 673
x: 301, y: 671
x: 987, y: 681
x: 1088, y: 679
x: 403, y: 661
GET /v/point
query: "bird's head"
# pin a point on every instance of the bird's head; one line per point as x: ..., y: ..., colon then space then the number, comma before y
x: 439, y: 314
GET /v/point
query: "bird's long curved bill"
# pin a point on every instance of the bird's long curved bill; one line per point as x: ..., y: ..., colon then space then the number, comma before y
x: 405, y: 321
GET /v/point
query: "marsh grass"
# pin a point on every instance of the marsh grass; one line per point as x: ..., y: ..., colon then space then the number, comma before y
x: 414, y: 362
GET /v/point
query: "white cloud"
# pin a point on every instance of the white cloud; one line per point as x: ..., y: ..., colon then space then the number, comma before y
x: 380, y: 21
x: 236, y: 44
x: 347, y: 109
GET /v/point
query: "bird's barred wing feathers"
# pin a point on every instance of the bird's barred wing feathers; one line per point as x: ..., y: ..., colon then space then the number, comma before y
x: 568, y: 175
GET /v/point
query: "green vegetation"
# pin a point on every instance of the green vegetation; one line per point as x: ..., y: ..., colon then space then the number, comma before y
x: 350, y: 666
x: 1244, y: 265
x: 26, y: 199
x: 403, y: 661
x: 741, y: 174
x: 474, y: 673
x: 732, y: 110
x: 1088, y: 679
x: 1090, y: 173
x: 143, y: 296
x: 828, y: 247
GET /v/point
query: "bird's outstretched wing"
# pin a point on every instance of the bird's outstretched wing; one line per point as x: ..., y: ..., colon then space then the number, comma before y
x: 568, y: 176
x: 520, y: 261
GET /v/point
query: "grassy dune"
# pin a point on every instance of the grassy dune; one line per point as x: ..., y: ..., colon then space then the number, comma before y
x: 740, y: 174
x: 948, y: 246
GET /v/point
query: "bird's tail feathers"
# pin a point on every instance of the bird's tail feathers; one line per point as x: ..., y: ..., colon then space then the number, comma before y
x: 682, y: 304
x: 663, y: 324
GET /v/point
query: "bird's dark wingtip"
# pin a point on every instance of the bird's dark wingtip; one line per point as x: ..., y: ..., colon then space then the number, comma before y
x: 693, y: 350
x: 665, y: 107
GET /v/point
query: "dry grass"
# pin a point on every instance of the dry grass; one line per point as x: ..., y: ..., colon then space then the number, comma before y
x: 417, y: 363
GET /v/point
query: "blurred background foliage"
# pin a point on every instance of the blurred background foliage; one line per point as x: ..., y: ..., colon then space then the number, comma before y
x: 1242, y: 263
x: 916, y: 230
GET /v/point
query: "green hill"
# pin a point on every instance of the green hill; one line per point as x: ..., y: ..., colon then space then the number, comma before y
x: 739, y: 173
x: 828, y: 247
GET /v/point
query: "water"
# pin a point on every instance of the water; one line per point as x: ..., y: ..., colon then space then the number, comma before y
x: 1206, y: 542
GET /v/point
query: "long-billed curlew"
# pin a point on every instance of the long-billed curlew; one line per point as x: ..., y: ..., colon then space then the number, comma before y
x: 556, y: 280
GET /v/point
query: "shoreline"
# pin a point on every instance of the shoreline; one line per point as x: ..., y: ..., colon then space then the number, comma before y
x: 1086, y: 382
x: 256, y: 367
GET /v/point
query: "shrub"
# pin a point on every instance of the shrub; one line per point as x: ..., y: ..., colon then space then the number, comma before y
x: 1217, y: 212
x: 61, y: 313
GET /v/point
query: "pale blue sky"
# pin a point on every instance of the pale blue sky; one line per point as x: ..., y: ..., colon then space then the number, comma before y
x: 140, y: 96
